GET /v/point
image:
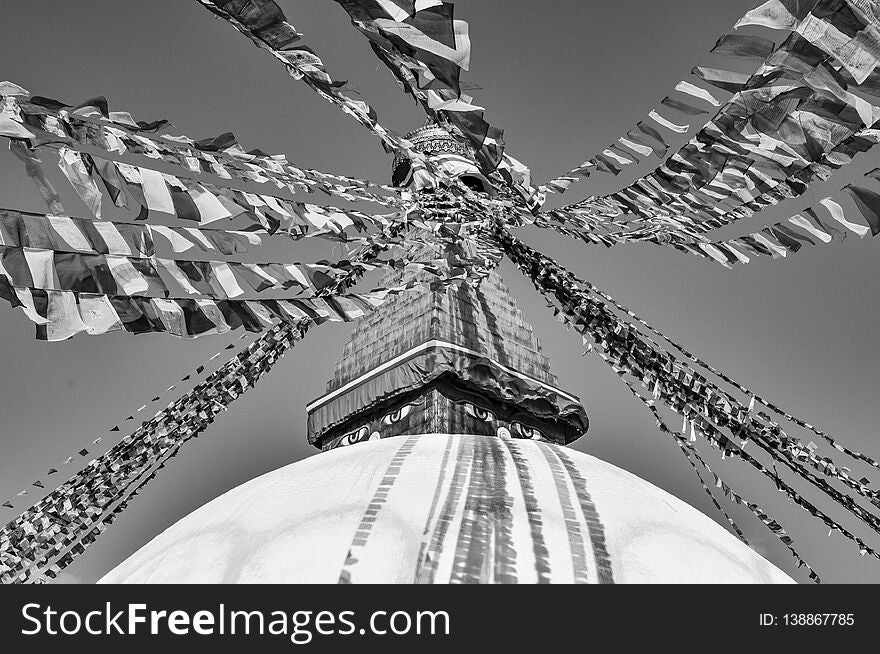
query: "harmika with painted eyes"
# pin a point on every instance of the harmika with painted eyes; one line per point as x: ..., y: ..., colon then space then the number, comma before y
x: 515, y: 430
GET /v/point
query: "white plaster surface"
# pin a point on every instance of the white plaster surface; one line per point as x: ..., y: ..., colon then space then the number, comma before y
x: 297, y: 524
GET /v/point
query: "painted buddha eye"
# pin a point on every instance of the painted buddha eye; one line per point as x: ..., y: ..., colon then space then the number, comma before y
x: 397, y: 416
x: 524, y: 431
x: 479, y: 413
x: 353, y: 437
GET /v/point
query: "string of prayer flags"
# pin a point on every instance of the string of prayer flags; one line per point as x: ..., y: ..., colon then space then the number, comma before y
x: 60, y: 315
x: 755, y: 49
x: 681, y: 215
x: 94, y: 107
x: 426, y: 49
x: 664, y: 428
x: 789, y: 236
x: 263, y: 22
x: 187, y: 199
x: 46, y: 538
x: 152, y: 276
x: 65, y: 234
x: 204, y: 203
x: 32, y: 261
x: 222, y: 156
x: 724, y: 421
x: 801, y: 116
x: 690, y: 452
x: 755, y: 398
x: 115, y: 429
x: 693, y: 458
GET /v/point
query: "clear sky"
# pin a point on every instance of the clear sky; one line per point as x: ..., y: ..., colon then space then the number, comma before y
x: 564, y: 79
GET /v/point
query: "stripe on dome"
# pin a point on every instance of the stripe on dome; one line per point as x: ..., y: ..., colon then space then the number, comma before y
x: 591, y: 515
x: 362, y: 534
x: 582, y: 570
x: 533, y: 511
x: 473, y: 537
x: 447, y: 519
x: 484, y: 550
x: 521, y: 553
x: 439, y: 489
x: 505, y: 549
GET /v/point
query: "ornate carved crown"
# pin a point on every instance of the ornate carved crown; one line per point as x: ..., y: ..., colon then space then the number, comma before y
x: 431, y: 140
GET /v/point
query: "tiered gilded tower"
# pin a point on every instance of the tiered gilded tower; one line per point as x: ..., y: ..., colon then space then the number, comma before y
x: 461, y: 360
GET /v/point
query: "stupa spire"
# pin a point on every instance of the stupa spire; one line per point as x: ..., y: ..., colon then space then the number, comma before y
x: 457, y: 360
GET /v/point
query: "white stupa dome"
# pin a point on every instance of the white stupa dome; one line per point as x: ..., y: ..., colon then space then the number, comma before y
x: 439, y: 508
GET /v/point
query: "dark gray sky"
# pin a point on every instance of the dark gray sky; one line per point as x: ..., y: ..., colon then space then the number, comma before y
x: 564, y: 78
